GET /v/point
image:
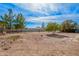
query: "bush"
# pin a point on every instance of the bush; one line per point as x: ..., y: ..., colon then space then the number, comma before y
x: 52, y: 27
x: 68, y: 26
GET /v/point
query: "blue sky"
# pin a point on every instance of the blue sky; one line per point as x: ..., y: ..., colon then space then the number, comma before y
x: 37, y: 13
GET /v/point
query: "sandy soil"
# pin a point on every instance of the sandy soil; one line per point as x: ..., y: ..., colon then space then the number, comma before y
x: 43, y: 44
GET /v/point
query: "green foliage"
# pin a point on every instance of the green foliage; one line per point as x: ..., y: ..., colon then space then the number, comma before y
x: 8, y: 19
x: 2, y: 24
x: 68, y: 26
x: 11, y: 21
x: 19, y: 22
x: 52, y: 27
x: 4, y: 20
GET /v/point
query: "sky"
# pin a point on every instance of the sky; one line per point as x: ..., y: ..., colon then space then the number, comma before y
x: 37, y: 13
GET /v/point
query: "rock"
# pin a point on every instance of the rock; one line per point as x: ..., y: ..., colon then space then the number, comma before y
x: 6, y: 48
x: 41, y: 35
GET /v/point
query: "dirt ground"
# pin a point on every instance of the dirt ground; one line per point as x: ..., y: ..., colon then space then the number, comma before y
x: 43, y: 44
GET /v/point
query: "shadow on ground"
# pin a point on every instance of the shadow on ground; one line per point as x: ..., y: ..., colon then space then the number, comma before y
x: 57, y: 36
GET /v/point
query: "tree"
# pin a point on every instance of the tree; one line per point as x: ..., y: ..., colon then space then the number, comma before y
x: 52, y: 27
x: 19, y: 22
x: 68, y: 26
x: 4, y: 20
x: 8, y: 19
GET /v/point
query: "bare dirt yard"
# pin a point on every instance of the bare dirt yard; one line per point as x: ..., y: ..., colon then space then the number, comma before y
x: 39, y: 44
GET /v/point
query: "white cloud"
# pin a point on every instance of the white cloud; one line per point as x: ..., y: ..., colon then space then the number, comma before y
x: 42, y: 8
x: 56, y: 18
x: 46, y: 9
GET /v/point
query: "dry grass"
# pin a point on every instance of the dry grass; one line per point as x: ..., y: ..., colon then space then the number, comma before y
x: 5, y: 42
x: 13, y: 38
